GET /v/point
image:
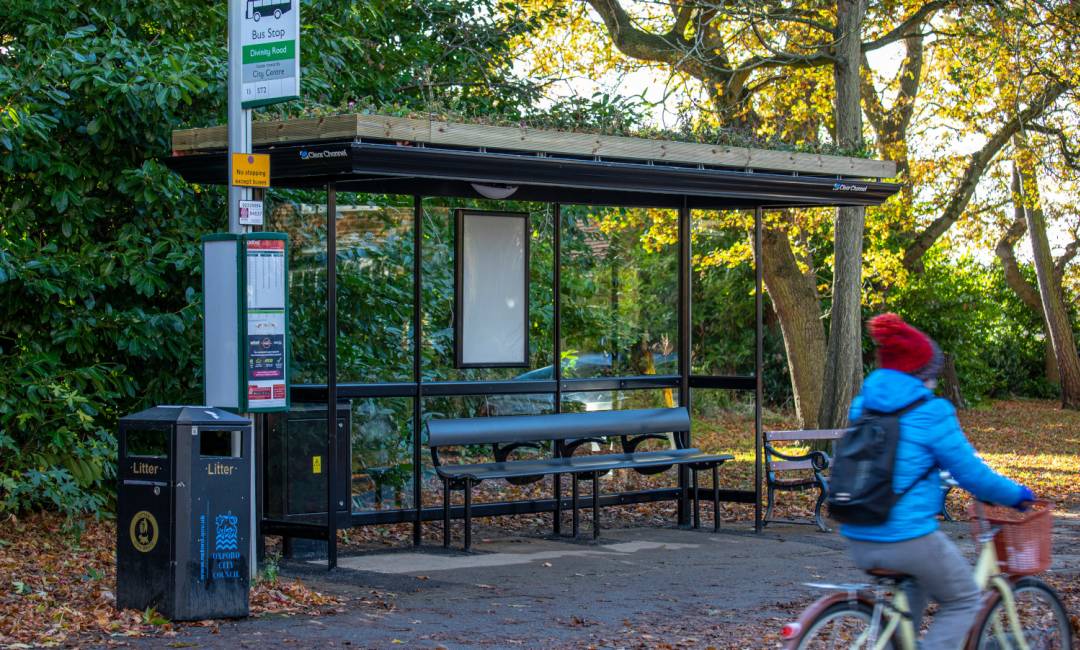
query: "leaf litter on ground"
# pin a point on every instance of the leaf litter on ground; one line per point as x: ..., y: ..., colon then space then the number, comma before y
x: 56, y: 588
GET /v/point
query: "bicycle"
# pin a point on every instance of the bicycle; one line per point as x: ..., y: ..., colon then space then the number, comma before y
x: 1020, y: 611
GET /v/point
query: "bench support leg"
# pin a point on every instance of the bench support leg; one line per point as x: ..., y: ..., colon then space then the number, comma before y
x: 683, y: 515
x: 446, y: 514
x: 556, y: 523
x: 468, y: 514
x: 823, y: 491
x: 596, y: 506
x: 716, y: 498
x: 574, y: 496
x: 697, y: 501
x: 770, y: 494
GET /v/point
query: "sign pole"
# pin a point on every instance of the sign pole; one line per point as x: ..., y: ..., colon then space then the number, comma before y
x: 239, y: 117
x: 239, y: 128
x: 264, y: 69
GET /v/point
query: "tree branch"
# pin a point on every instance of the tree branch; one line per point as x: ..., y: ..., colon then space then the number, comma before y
x: 635, y: 42
x: 872, y: 106
x: 683, y: 13
x: 1005, y: 250
x: 901, y: 30
x: 1067, y: 256
x: 977, y: 164
x: 1072, y: 156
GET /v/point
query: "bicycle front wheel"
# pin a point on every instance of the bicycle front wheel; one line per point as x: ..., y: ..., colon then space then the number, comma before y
x: 842, y: 625
x: 1043, y: 621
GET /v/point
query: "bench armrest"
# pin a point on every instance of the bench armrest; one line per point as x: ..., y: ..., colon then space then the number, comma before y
x: 820, y: 459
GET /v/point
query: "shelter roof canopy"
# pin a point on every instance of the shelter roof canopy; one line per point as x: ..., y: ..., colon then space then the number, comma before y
x: 434, y: 158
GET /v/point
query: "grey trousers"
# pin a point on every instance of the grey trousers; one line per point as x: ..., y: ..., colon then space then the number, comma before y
x: 941, y: 573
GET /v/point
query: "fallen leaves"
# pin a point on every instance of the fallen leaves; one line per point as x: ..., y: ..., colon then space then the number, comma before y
x: 56, y: 588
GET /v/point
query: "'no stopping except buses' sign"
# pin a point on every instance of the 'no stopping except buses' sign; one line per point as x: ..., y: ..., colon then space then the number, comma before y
x: 251, y: 169
x: 270, y: 41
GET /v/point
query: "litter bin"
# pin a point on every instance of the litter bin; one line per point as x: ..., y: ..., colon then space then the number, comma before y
x: 184, y: 512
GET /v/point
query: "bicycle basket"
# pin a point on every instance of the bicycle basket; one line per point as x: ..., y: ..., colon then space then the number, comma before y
x: 1023, y: 538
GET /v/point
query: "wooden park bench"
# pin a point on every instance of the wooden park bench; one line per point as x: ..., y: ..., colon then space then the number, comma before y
x: 568, y: 432
x: 801, y: 471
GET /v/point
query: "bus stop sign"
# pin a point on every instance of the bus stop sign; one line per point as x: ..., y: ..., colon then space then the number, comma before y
x: 270, y: 41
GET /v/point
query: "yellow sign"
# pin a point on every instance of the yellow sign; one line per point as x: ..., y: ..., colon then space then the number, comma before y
x: 144, y: 531
x: 316, y: 464
x: 251, y: 169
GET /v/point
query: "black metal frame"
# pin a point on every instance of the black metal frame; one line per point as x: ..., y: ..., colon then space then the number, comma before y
x: 380, y: 166
x: 819, y: 462
x: 459, y: 272
x: 687, y: 494
x: 566, y: 442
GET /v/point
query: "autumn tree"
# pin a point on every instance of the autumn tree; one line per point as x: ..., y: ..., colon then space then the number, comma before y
x: 760, y: 64
x: 1056, y: 318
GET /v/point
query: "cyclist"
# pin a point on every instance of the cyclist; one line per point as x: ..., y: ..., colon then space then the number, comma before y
x: 930, y: 437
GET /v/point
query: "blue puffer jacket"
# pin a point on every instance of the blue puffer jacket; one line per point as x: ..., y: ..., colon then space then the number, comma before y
x: 930, y: 436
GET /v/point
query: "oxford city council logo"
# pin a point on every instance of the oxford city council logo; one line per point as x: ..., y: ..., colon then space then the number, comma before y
x: 144, y: 531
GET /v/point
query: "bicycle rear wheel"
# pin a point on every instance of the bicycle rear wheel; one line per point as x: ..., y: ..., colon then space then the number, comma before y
x: 841, y: 625
x: 1043, y: 620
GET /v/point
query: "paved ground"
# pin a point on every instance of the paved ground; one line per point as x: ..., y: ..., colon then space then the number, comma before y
x: 544, y: 593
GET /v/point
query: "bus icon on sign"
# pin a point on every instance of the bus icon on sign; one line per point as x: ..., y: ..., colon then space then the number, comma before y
x: 256, y: 9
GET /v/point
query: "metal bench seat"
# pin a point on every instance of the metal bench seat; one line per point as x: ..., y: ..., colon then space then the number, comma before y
x: 578, y: 464
x: 568, y: 432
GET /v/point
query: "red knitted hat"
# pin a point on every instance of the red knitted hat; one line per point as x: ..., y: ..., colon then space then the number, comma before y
x: 899, y: 345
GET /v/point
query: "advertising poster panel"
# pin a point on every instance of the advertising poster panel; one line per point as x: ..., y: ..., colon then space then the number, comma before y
x: 266, y: 326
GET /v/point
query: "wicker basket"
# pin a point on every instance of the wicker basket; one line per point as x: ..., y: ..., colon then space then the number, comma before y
x: 1023, y: 538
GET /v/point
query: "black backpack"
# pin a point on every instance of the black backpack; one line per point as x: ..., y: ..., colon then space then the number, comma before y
x: 861, y: 484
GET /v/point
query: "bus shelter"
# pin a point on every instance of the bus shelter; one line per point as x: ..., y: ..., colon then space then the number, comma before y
x: 307, y: 464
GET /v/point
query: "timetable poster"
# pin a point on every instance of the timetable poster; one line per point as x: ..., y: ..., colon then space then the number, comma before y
x: 266, y: 325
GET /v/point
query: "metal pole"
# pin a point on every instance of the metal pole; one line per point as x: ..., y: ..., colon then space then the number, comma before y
x: 239, y: 131
x: 239, y: 124
x: 418, y: 278
x: 684, y: 342
x: 758, y: 367
x: 556, y: 281
x: 331, y: 376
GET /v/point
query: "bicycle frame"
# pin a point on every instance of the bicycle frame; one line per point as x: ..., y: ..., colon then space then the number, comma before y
x: 890, y: 620
x: 987, y: 576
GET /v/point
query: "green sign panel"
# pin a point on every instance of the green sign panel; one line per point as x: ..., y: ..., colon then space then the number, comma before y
x: 270, y: 41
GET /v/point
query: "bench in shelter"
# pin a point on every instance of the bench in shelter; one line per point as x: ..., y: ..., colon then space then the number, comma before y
x: 569, y: 432
x: 811, y: 467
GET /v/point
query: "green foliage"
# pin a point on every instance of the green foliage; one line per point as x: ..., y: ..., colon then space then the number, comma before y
x: 97, y: 302
x: 996, y: 340
x: 99, y: 243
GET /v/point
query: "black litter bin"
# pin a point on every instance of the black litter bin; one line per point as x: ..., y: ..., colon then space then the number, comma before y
x: 184, y: 512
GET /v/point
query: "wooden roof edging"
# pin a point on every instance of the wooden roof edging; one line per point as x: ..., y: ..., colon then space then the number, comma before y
x: 528, y: 139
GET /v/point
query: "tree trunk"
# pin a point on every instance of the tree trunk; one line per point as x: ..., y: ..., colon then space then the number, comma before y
x: 1029, y: 295
x: 843, y: 361
x: 1050, y: 367
x: 950, y: 383
x: 797, y: 305
x: 1057, y: 318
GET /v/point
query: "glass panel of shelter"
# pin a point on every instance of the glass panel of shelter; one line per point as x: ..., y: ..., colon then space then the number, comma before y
x: 723, y: 344
x: 619, y: 318
x: 619, y: 293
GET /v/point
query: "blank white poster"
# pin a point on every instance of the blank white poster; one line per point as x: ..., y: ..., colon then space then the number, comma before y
x: 494, y: 306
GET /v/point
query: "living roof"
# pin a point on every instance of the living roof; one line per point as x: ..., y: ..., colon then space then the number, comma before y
x: 382, y: 153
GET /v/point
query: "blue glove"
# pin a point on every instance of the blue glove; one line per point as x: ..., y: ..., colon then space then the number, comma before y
x: 1026, y: 497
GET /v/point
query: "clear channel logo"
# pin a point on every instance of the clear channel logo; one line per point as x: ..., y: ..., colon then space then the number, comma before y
x: 326, y: 153
x: 847, y: 187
